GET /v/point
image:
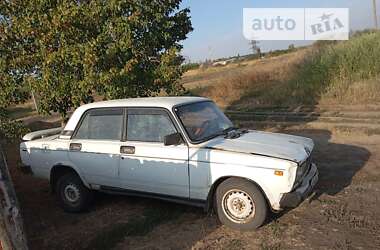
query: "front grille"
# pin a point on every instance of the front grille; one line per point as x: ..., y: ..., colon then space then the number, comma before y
x: 304, y: 168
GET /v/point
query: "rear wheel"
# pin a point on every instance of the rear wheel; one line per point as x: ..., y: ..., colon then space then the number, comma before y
x: 240, y: 204
x: 72, y: 195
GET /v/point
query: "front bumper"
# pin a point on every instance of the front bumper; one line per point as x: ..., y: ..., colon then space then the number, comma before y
x: 293, y: 199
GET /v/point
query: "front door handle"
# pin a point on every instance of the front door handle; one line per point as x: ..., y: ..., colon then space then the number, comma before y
x: 75, y: 146
x: 127, y: 150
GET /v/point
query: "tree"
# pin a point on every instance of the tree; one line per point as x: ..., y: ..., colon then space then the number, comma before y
x: 72, y: 50
x: 11, y: 81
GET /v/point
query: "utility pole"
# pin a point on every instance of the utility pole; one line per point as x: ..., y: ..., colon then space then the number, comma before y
x: 375, y: 14
x: 255, y: 48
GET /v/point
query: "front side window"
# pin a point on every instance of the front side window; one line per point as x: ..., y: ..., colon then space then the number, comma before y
x: 203, y: 120
x: 149, y: 126
x: 101, y: 124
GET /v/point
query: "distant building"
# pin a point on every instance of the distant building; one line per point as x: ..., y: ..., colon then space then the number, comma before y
x: 220, y: 63
x: 223, y: 62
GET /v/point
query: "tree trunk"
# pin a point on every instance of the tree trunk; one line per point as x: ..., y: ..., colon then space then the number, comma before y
x: 5, y: 242
x: 34, y: 101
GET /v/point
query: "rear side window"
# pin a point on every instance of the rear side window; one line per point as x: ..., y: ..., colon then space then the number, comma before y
x: 101, y: 124
x: 149, y: 126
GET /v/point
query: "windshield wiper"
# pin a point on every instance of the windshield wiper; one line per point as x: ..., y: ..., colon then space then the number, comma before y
x: 234, y: 132
x: 229, y: 129
x: 226, y: 131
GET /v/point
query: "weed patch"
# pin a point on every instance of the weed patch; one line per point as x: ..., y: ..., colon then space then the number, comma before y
x: 346, y: 72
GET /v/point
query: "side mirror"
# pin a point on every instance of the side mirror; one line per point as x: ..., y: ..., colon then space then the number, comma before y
x: 173, y: 139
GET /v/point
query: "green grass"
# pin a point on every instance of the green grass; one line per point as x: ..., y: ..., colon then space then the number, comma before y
x: 330, y: 71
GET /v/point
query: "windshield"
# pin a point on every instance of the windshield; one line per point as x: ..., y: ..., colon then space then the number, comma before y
x: 203, y: 120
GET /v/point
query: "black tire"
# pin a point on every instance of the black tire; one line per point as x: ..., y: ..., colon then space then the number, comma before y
x: 240, y: 204
x: 72, y: 195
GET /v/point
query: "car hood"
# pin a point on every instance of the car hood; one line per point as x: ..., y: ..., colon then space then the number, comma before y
x: 289, y: 147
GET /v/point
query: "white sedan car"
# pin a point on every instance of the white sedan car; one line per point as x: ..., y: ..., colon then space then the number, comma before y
x: 180, y: 149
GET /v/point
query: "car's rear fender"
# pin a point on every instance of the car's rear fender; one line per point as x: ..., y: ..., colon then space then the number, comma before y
x: 63, y: 168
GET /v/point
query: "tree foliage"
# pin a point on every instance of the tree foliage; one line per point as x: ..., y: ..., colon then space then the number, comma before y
x: 68, y: 51
x: 12, y: 90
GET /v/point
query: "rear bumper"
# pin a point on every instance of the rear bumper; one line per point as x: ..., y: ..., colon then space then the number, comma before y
x: 293, y: 199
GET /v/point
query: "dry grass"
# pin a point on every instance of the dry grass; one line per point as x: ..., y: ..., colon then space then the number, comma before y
x: 255, y: 76
x: 359, y: 92
x: 326, y: 73
x: 207, y: 76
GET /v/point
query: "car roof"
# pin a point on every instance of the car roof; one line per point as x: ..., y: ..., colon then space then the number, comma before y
x: 156, y: 102
x: 161, y: 102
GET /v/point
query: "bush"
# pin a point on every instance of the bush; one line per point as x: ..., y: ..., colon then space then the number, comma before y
x: 190, y: 66
x: 333, y: 68
x: 330, y: 71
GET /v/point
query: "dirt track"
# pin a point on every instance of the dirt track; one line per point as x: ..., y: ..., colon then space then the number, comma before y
x: 343, y: 214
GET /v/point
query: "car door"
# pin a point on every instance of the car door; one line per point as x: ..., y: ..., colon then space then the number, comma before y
x: 146, y: 164
x: 95, y: 145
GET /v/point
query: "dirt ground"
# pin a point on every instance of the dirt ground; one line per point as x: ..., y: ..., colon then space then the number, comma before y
x: 342, y: 214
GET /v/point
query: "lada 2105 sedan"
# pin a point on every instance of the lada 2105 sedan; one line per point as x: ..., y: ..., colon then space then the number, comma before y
x: 181, y: 149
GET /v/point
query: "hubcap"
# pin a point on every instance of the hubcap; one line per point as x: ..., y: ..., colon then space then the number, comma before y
x: 238, y: 206
x: 71, y: 193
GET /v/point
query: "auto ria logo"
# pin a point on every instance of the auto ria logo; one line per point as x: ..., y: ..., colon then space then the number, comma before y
x: 296, y: 23
x: 327, y: 24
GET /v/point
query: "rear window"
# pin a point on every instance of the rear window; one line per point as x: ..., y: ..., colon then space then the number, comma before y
x: 101, y: 124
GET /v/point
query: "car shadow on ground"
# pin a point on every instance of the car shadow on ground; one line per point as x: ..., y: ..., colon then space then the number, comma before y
x: 337, y: 164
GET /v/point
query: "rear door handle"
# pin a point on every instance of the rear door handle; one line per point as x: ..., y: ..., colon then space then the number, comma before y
x: 75, y: 146
x: 127, y: 150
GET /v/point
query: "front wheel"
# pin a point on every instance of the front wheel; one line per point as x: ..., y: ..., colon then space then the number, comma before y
x: 240, y: 204
x: 72, y: 195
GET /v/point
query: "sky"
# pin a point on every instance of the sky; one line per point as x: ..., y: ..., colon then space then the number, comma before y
x: 218, y: 24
